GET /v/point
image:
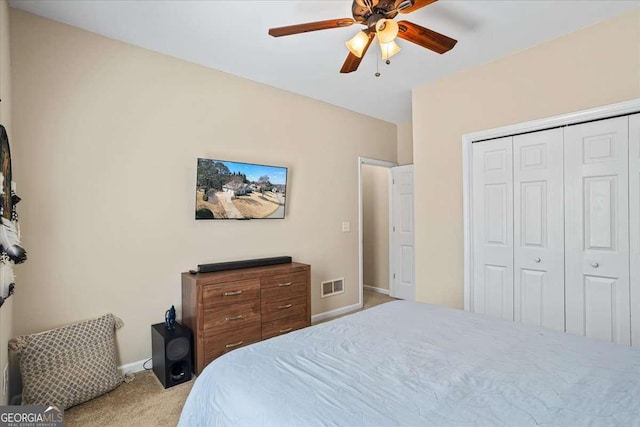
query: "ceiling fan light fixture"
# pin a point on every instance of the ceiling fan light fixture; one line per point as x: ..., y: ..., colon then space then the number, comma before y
x: 358, y: 43
x: 389, y: 49
x: 386, y: 30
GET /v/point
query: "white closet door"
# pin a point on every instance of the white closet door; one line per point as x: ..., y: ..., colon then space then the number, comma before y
x: 597, y: 229
x: 539, y: 229
x: 493, y: 228
x: 402, y: 244
x: 634, y: 225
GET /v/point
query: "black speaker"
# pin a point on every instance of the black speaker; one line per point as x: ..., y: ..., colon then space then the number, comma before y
x: 172, y: 354
x: 233, y: 265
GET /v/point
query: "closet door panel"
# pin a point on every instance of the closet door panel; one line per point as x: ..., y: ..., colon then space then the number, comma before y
x: 539, y: 229
x: 600, y: 320
x: 597, y: 229
x: 634, y: 225
x: 493, y: 228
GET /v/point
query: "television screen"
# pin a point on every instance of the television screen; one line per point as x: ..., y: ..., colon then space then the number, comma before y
x: 230, y: 190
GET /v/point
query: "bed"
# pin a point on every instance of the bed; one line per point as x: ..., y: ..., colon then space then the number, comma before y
x: 412, y: 364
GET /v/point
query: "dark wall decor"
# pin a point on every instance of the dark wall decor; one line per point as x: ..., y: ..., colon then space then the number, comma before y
x: 10, y: 250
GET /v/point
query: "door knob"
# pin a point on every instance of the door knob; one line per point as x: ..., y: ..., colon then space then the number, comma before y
x: 537, y: 260
x: 595, y: 265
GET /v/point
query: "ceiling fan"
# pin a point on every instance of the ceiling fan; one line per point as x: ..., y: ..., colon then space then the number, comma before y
x: 377, y: 17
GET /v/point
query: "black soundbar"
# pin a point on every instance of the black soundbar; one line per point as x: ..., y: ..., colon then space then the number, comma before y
x: 234, y: 265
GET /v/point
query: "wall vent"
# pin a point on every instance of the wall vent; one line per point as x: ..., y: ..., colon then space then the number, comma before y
x: 332, y: 287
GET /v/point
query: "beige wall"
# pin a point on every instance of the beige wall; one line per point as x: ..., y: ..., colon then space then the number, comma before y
x: 6, y: 311
x: 375, y: 225
x: 405, y: 143
x: 109, y: 136
x: 595, y: 66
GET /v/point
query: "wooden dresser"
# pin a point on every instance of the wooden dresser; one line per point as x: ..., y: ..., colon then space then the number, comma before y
x: 234, y: 308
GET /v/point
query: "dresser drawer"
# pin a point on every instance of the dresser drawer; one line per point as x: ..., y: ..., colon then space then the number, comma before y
x: 231, y: 292
x: 279, y: 308
x: 233, y: 316
x: 284, y: 285
x: 284, y: 280
x: 217, y: 345
x: 292, y: 290
x: 282, y: 326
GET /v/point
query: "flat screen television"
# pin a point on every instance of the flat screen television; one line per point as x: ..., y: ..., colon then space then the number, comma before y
x: 231, y: 190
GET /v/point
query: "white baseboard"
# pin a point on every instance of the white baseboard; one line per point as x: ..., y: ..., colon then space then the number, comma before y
x: 133, y: 367
x: 378, y: 290
x: 333, y: 313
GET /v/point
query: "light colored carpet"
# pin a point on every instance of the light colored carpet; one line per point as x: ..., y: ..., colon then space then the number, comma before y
x: 371, y: 299
x: 143, y: 402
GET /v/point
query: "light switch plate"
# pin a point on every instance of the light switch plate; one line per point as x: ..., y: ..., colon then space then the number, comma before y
x: 346, y: 226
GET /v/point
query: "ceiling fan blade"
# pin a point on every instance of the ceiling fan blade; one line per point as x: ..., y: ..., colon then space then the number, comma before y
x: 353, y: 62
x: 425, y: 37
x: 417, y: 4
x: 310, y: 26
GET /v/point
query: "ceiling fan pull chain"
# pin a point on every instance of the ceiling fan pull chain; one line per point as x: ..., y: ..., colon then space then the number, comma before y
x: 377, y: 67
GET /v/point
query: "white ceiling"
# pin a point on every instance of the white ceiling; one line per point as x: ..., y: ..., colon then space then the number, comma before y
x: 232, y: 36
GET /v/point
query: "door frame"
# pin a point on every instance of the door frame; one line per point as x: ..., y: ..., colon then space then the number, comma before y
x: 603, y: 112
x: 384, y: 164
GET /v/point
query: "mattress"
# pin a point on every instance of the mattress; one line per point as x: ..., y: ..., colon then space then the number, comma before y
x: 412, y: 364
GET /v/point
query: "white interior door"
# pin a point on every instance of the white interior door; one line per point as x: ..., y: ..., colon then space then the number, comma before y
x: 493, y: 228
x: 634, y: 225
x: 597, y: 229
x: 402, y: 245
x: 539, y: 229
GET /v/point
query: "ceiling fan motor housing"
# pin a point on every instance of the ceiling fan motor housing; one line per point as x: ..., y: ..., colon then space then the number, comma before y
x: 406, y: 4
x: 372, y: 20
x: 383, y: 8
x: 367, y: 3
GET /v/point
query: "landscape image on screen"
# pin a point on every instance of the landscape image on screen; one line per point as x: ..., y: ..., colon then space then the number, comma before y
x: 230, y: 190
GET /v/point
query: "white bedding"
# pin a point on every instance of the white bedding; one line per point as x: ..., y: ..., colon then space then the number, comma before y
x: 409, y: 364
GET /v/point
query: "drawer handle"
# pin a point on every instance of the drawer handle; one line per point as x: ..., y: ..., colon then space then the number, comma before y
x: 228, y: 294
x: 282, y: 331
x: 238, y: 317
x: 281, y: 307
x: 284, y: 284
x: 235, y: 344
